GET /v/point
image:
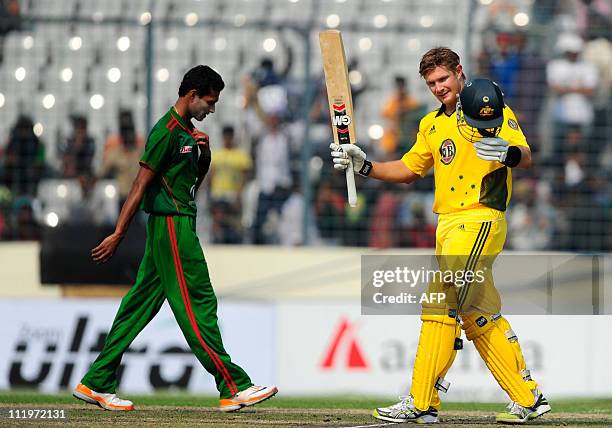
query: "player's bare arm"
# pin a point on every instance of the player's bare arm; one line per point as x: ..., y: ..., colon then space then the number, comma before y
x: 525, y: 162
x: 105, y: 250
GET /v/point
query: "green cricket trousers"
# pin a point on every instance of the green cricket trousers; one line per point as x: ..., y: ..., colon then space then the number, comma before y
x: 173, y: 268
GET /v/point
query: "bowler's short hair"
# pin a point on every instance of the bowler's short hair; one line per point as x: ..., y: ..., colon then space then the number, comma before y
x: 203, y: 79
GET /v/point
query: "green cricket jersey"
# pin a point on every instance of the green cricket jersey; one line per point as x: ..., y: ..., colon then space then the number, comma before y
x: 172, y: 153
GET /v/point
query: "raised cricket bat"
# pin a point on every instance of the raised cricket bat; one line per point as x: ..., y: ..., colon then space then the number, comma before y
x: 339, y: 98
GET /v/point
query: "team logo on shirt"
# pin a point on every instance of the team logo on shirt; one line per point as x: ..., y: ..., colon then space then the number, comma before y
x: 447, y: 151
x: 186, y: 149
x: 512, y: 124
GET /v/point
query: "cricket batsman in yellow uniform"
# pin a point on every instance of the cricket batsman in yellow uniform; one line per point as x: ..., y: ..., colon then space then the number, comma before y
x: 472, y: 142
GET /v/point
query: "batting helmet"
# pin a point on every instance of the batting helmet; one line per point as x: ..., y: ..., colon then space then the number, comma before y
x: 480, y: 110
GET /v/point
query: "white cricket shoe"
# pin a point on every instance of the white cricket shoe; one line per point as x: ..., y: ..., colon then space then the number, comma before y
x: 106, y: 401
x: 518, y: 414
x: 404, y: 411
x: 252, y: 395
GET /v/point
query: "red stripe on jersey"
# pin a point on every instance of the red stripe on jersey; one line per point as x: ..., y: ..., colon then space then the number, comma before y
x: 170, y: 193
x: 189, y: 310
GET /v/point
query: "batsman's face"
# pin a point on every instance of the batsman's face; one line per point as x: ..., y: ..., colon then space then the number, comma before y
x: 200, y: 107
x: 445, y: 84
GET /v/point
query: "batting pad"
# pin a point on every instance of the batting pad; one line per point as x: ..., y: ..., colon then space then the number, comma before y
x: 501, y: 352
x: 434, y: 357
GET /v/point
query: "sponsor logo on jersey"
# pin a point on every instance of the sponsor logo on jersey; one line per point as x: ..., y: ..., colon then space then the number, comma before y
x: 186, y: 149
x: 447, y: 151
x: 432, y: 130
x: 487, y: 111
x: 481, y: 321
x: 512, y: 124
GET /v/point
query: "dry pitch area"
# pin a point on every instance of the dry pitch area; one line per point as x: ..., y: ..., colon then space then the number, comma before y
x: 188, y: 411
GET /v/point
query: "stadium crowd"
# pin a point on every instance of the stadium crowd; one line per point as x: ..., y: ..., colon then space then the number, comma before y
x: 558, y: 81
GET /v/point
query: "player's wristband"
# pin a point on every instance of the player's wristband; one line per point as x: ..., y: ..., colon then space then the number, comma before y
x: 366, y: 168
x: 513, y: 157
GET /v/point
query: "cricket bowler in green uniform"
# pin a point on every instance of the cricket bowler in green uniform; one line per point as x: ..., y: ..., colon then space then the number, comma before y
x: 175, y: 160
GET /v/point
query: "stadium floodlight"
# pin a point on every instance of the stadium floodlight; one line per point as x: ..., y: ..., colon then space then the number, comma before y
x: 521, y: 19
x: 2, y: 100
x: 48, y: 101
x: 332, y: 21
x: 28, y: 42
x: 269, y: 44
x: 355, y: 77
x: 426, y: 21
x: 220, y: 43
x: 38, y: 129
x: 75, y: 43
x: 162, y: 74
x: 191, y: 19
x: 113, y: 74
x: 375, y: 132
x: 381, y: 21
x: 123, y: 43
x: 145, y: 18
x: 66, y: 74
x: 239, y: 20
x: 96, y: 101
x: 20, y: 74
x: 172, y: 43
x: 110, y: 191
x: 365, y: 44
x: 62, y: 191
x: 52, y: 219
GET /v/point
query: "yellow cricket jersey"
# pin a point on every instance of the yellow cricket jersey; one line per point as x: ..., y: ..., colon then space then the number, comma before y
x: 463, y: 181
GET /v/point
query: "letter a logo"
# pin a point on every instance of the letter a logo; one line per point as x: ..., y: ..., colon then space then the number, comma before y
x: 344, y: 339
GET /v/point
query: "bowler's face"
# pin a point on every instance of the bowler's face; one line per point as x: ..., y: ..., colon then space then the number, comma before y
x: 200, y: 107
x: 445, y: 84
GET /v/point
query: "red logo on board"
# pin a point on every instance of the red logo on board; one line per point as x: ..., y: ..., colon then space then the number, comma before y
x: 345, y: 342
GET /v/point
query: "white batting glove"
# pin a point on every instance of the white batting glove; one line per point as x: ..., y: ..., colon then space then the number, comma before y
x: 492, y: 149
x: 340, y: 156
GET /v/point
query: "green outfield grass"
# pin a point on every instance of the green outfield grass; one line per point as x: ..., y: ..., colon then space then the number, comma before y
x: 166, y: 409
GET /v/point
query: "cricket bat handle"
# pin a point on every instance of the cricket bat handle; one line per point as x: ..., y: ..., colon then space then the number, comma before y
x: 350, y: 184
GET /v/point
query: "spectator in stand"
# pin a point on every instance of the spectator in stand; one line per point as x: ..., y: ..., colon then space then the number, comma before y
x: 24, y: 159
x: 383, y: 231
x: 78, y: 151
x: 530, y: 87
x: 504, y: 64
x: 531, y: 218
x: 229, y: 170
x: 572, y: 81
x: 10, y: 20
x: 272, y: 173
x: 402, y: 112
x: 418, y: 233
x: 24, y: 226
x: 122, y: 153
x: 329, y: 210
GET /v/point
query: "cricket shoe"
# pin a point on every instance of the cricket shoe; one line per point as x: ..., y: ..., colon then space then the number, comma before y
x: 518, y: 414
x: 404, y: 411
x: 106, y: 401
x: 252, y: 395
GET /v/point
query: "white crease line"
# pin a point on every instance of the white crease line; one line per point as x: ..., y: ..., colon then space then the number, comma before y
x: 375, y: 425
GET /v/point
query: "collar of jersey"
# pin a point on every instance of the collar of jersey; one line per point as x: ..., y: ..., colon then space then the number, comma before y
x: 442, y: 111
x: 187, y: 127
